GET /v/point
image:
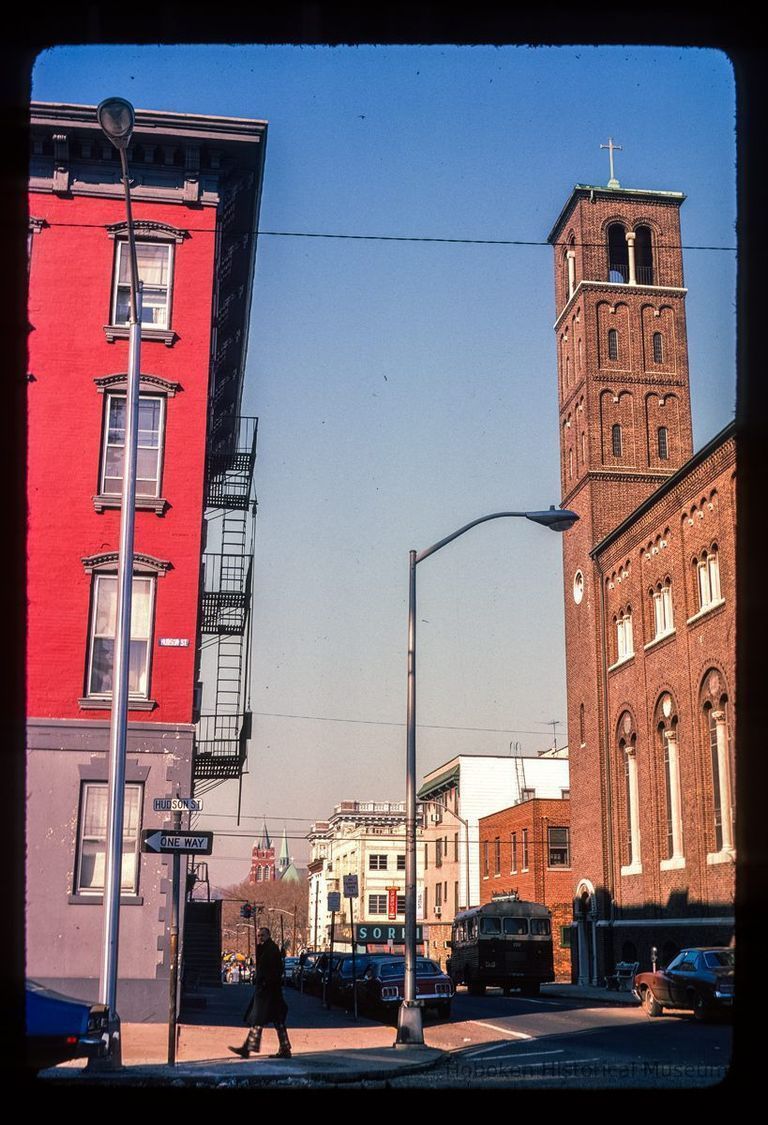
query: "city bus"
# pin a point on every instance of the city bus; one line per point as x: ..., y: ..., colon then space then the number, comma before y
x: 507, y: 943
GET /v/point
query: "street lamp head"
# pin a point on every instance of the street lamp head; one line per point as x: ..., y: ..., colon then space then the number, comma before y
x: 116, y: 118
x: 558, y: 519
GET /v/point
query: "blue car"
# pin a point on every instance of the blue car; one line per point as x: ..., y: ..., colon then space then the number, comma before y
x: 60, y: 1027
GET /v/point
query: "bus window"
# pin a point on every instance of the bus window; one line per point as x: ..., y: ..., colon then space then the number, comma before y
x: 472, y: 929
x: 540, y: 926
x: 515, y: 925
x: 490, y: 926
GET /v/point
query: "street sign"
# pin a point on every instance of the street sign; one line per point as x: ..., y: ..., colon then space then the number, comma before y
x: 350, y: 886
x: 162, y: 842
x: 380, y: 933
x: 334, y: 901
x: 177, y: 804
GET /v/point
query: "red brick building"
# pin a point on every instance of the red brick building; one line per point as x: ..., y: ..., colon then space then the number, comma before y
x: 196, y: 185
x: 649, y: 592
x: 526, y: 848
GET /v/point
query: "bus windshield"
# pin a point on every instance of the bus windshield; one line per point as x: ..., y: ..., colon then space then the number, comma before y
x: 515, y: 925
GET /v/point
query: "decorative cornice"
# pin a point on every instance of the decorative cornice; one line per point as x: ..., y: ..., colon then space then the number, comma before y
x: 142, y: 563
x: 147, y: 228
x: 119, y: 381
x: 620, y: 286
x: 121, y: 332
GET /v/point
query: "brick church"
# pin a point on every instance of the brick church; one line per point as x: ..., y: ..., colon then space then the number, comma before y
x: 649, y: 586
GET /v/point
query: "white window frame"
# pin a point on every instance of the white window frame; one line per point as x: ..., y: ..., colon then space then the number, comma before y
x: 624, y: 637
x: 122, y: 247
x: 553, y: 847
x: 99, y: 579
x: 634, y: 867
x: 111, y: 398
x: 708, y: 580
x: 134, y: 795
x: 662, y: 610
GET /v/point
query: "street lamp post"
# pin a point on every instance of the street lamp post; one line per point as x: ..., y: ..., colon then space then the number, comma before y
x: 409, y: 1024
x: 116, y: 118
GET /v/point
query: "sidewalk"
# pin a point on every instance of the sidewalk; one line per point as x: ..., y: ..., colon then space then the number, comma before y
x: 328, y: 1046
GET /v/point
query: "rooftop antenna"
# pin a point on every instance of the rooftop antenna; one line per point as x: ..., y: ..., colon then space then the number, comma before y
x: 554, y: 723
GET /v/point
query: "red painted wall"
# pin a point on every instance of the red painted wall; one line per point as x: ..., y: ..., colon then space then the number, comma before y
x: 69, y: 302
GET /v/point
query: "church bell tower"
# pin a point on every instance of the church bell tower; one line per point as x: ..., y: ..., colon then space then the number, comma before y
x: 625, y: 427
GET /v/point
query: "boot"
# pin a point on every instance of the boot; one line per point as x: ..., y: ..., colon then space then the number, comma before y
x: 252, y: 1043
x: 285, y: 1046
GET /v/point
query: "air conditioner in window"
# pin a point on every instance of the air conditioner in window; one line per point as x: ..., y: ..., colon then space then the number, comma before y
x: 438, y: 911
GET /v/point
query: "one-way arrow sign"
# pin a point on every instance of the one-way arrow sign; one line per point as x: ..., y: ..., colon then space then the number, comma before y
x: 161, y: 841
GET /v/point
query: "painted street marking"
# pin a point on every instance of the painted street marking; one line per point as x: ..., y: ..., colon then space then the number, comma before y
x: 504, y: 1030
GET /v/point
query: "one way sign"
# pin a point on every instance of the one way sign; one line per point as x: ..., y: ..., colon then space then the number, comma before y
x: 160, y: 841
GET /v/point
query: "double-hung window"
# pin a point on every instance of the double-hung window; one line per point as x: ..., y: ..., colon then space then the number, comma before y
x: 92, y: 837
x: 377, y: 904
x: 102, y: 636
x: 558, y: 840
x: 150, y: 443
x: 377, y: 862
x: 155, y: 265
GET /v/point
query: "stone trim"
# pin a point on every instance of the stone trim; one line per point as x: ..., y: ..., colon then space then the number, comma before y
x: 98, y: 900
x: 156, y: 504
x: 705, y: 611
x: 148, y: 383
x: 659, y: 640
x: 142, y: 563
x: 147, y: 228
x: 91, y: 703
x: 166, y: 336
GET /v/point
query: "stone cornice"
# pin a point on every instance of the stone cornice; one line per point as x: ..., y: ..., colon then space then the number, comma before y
x: 159, y: 335
x: 119, y: 382
x: 146, y: 228
x: 142, y: 563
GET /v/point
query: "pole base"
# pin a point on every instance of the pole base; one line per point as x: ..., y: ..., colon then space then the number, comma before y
x: 112, y: 1059
x: 409, y: 1025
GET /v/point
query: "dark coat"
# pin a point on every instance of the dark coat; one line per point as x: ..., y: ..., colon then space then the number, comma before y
x: 267, y: 1005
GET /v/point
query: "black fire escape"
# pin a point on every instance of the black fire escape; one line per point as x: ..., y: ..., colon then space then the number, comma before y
x: 224, y: 725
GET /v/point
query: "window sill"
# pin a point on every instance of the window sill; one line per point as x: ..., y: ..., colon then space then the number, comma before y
x: 658, y: 639
x: 675, y: 863
x: 707, y: 609
x: 726, y: 856
x: 558, y: 867
x: 121, y: 332
x: 156, y: 504
x: 90, y: 704
x: 98, y: 900
x: 632, y: 869
x: 620, y: 663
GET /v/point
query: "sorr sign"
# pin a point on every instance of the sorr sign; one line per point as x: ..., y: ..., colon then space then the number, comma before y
x: 379, y: 934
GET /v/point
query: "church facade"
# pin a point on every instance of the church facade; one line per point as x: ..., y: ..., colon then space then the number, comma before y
x: 649, y: 577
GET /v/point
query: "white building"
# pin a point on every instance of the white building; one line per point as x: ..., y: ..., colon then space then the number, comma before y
x: 363, y: 838
x: 455, y: 796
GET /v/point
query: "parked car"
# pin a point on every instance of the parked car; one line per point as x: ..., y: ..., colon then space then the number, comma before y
x: 342, y: 976
x: 304, y: 970
x: 290, y: 964
x: 697, y: 980
x: 383, y: 982
x: 60, y: 1027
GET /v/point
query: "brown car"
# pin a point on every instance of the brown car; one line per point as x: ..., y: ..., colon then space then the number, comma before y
x: 699, y: 980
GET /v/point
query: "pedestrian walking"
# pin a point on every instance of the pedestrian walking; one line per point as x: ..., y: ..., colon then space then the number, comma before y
x: 268, y: 1004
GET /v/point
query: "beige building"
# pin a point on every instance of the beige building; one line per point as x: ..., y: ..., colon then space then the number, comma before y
x: 366, y: 839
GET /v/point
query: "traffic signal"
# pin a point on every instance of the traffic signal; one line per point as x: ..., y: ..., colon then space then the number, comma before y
x: 246, y: 910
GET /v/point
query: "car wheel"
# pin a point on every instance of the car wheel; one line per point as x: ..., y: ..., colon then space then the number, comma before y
x: 444, y: 1010
x: 507, y: 990
x: 532, y: 989
x: 700, y: 1008
x: 651, y: 1004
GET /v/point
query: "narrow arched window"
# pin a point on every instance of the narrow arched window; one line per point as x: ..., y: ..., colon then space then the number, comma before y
x: 618, y: 255
x: 616, y: 439
x: 613, y: 344
x: 658, y: 348
x: 644, y: 256
x: 663, y: 437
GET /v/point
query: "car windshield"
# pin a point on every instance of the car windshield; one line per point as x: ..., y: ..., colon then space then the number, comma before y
x: 719, y: 959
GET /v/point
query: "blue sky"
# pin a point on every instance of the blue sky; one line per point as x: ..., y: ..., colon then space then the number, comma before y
x: 406, y: 388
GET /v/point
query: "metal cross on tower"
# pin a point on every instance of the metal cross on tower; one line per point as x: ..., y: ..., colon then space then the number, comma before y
x: 613, y: 182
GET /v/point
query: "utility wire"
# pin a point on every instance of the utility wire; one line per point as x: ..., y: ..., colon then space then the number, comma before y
x: 404, y: 238
x: 385, y: 723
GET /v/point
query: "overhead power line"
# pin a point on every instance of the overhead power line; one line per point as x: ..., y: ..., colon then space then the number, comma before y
x: 386, y: 723
x: 405, y: 238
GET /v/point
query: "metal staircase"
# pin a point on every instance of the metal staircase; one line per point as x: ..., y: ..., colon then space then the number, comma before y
x: 224, y: 723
